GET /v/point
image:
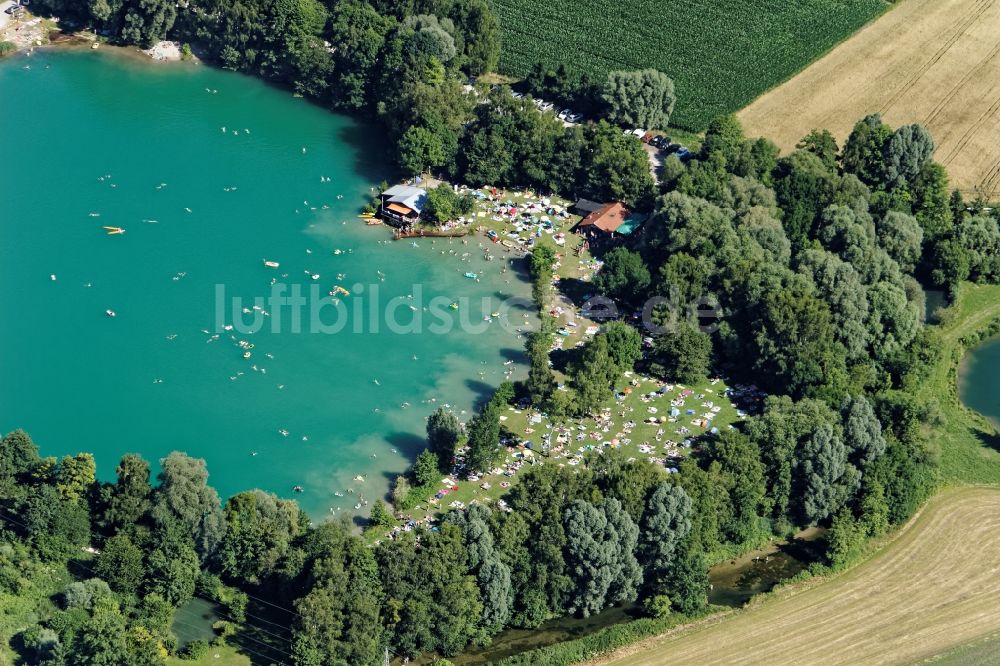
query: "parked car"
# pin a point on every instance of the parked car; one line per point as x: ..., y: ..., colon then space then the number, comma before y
x: 563, y: 114
x: 545, y: 106
x: 656, y: 142
x: 684, y: 154
x: 574, y: 117
x: 517, y: 95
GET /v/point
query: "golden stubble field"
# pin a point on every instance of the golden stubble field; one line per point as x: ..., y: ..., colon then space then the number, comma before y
x: 934, y: 62
x: 936, y: 586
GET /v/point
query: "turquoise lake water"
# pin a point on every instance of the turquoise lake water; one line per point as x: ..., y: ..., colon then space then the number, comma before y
x: 979, y: 383
x: 96, y: 139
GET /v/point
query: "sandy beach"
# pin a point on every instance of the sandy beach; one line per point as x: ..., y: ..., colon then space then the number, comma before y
x: 164, y: 51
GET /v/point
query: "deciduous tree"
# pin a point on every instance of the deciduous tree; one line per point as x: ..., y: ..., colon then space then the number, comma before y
x: 600, y: 552
x: 643, y: 98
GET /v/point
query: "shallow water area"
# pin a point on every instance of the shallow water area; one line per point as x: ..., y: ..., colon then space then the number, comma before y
x: 210, y: 173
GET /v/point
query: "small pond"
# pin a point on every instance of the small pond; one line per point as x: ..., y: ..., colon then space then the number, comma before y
x: 193, y: 621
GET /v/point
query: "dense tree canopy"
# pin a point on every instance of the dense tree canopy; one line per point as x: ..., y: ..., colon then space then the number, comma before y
x: 185, y: 502
x: 643, y: 98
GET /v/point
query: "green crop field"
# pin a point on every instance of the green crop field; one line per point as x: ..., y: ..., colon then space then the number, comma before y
x: 721, y: 53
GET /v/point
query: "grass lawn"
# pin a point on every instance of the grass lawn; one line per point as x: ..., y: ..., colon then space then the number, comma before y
x: 963, y: 435
x: 575, y: 269
x: 688, y: 139
x: 721, y: 54
x: 216, y: 656
x: 639, y: 441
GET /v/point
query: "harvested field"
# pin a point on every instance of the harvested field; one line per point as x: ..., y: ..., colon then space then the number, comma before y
x: 934, y: 62
x: 935, y: 587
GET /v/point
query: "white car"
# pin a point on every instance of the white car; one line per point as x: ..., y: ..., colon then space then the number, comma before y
x: 564, y: 114
x: 574, y: 117
x: 545, y: 106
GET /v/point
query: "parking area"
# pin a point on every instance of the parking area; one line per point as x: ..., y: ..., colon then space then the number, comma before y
x: 5, y: 17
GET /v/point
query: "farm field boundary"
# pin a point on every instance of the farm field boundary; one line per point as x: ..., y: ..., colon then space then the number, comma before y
x: 720, y: 53
x: 932, y: 588
x: 934, y: 62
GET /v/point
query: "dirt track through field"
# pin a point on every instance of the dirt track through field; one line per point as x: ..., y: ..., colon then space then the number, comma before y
x: 935, y: 587
x: 934, y: 62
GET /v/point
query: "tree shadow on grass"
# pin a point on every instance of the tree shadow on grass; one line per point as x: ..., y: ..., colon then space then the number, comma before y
x: 80, y: 567
x: 264, y: 643
x: 562, y: 359
x: 990, y: 440
x: 576, y: 290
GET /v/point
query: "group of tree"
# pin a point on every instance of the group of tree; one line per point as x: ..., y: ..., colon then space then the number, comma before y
x: 157, y: 546
x: 510, y: 142
x: 636, y: 99
x: 568, y: 543
x: 407, y: 64
x: 590, y: 374
x: 816, y: 262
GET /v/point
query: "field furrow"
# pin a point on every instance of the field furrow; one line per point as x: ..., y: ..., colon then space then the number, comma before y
x: 935, y: 587
x: 935, y: 62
